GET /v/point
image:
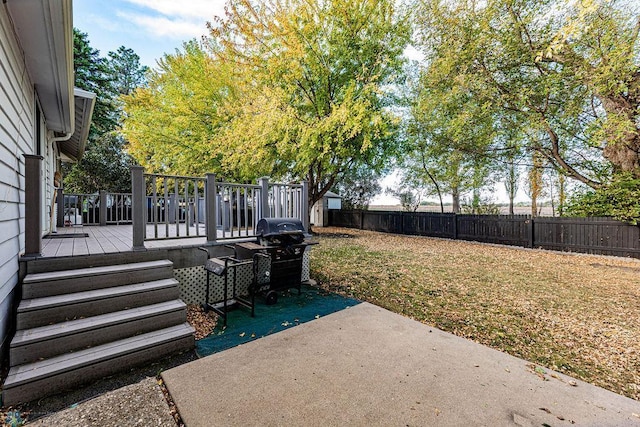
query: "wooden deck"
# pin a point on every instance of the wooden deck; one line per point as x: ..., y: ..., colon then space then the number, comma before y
x: 112, y: 239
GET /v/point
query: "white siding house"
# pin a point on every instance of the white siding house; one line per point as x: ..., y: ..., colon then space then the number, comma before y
x: 38, y: 116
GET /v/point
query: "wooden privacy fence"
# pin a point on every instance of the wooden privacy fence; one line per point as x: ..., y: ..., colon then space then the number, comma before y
x: 603, y: 236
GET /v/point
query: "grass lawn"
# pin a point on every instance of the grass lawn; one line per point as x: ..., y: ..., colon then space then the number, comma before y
x: 577, y: 314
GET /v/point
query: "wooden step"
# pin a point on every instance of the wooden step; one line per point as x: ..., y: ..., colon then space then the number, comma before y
x: 37, y: 312
x: 31, y: 345
x: 84, y: 279
x: 34, y: 380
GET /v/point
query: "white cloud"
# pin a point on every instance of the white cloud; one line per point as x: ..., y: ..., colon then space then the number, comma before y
x: 171, y: 18
x: 193, y: 9
x: 160, y: 26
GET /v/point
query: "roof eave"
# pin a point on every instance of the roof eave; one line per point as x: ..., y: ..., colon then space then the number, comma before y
x: 74, y: 147
x: 45, y: 32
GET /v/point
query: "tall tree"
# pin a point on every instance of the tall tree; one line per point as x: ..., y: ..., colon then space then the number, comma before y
x: 93, y: 74
x: 315, y: 75
x: 127, y: 74
x: 569, y: 70
x: 450, y: 133
x: 105, y: 164
x: 294, y: 89
x: 174, y: 121
x: 357, y: 187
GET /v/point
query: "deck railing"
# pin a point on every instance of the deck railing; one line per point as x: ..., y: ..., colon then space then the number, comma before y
x: 170, y: 206
x: 93, y: 209
x: 117, y: 207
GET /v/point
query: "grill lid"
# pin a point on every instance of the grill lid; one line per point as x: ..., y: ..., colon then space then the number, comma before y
x: 273, y: 227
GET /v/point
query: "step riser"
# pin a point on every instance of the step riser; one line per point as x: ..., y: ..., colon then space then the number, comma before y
x: 47, y: 386
x: 47, y: 316
x: 81, y: 284
x: 53, y: 347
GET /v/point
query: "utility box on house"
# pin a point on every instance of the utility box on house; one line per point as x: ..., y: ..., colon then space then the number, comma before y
x: 320, y: 210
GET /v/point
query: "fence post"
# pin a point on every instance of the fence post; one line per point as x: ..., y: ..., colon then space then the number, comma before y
x: 264, y: 197
x: 305, y: 205
x: 529, y: 223
x: 138, y: 206
x: 32, y: 209
x: 210, y: 224
x: 361, y: 219
x: 103, y: 208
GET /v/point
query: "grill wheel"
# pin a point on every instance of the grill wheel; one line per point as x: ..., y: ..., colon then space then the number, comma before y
x: 271, y: 298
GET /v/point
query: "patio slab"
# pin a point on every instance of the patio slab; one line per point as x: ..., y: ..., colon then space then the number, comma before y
x: 367, y: 366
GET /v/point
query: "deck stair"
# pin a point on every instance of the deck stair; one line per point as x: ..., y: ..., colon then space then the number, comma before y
x: 75, y: 326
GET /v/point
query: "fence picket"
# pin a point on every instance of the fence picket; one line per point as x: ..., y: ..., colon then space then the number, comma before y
x: 603, y: 236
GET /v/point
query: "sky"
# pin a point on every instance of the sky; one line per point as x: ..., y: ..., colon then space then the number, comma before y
x: 153, y: 28
x: 150, y: 27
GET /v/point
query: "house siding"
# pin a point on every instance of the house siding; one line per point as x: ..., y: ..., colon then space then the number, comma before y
x: 17, y: 107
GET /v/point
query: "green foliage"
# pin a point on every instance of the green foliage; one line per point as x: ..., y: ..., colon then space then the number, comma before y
x: 291, y: 89
x: 357, y: 187
x: 320, y: 70
x: 93, y: 74
x: 173, y: 121
x: 479, y: 206
x: 619, y: 199
x: 126, y: 72
x: 410, y: 196
x: 563, y: 75
x: 105, y: 164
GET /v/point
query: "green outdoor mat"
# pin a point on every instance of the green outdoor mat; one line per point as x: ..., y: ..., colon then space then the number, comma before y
x: 291, y: 310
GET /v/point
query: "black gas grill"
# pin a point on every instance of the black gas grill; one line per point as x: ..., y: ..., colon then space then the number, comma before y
x: 282, y: 242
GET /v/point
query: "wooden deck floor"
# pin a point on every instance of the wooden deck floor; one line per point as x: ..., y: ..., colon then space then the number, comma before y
x: 115, y: 239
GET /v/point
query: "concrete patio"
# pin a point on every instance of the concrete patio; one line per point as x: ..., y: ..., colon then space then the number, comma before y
x: 368, y: 366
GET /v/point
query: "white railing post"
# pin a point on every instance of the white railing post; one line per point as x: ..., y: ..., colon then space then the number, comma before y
x: 264, y: 197
x: 138, y: 206
x: 305, y: 205
x: 210, y: 224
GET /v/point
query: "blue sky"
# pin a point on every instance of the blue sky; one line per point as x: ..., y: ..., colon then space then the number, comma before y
x: 150, y: 27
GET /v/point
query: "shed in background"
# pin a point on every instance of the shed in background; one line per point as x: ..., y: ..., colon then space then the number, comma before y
x: 320, y: 210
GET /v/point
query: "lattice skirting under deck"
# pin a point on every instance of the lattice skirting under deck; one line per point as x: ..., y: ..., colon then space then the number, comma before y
x: 193, y: 280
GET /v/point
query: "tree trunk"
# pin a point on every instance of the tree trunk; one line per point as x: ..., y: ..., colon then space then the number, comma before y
x: 511, y: 185
x: 562, y: 197
x: 535, y: 182
x: 455, y: 196
x: 623, y: 141
x: 624, y: 154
